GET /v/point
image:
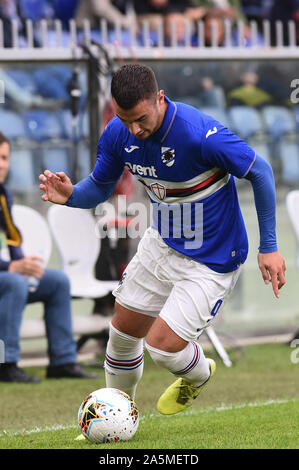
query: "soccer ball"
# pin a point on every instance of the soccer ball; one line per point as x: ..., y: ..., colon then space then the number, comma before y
x: 108, y: 415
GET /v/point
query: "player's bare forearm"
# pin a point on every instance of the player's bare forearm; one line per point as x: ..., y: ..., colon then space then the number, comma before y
x: 272, y: 266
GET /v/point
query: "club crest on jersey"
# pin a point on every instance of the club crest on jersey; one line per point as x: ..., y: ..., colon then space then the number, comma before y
x: 168, y: 156
x: 159, y: 190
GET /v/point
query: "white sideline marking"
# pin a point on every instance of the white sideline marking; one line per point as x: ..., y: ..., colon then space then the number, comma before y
x: 193, y: 411
x: 58, y: 427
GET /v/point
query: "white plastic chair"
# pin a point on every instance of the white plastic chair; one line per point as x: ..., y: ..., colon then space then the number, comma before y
x: 35, y: 232
x: 292, y: 202
x: 289, y: 156
x: 74, y: 234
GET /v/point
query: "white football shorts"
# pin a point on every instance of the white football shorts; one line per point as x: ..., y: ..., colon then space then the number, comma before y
x: 186, y: 294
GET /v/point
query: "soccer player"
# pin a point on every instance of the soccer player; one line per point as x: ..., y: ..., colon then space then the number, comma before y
x: 189, y: 261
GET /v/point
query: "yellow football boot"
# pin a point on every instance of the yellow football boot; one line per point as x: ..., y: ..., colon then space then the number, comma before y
x: 180, y: 395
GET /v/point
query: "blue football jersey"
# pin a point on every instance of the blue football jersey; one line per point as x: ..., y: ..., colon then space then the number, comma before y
x: 187, y: 170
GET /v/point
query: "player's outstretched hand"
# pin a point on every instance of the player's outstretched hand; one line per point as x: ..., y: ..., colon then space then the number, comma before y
x: 57, y: 187
x: 272, y: 266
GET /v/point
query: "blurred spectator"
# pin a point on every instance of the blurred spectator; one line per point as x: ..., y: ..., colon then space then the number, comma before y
x: 273, y: 80
x: 113, y: 256
x: 249, y: 93
x: 9, y: 13
x: 52, y: 81
x: 94, y: 10
x: 175, y: 24
x: 35, y: 10
x: 17, y: 12
x: 160, y: 7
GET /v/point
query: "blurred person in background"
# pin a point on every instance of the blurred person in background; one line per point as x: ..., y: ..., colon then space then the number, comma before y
x: 211, y: 95
x: 156, y: 300
x: 53, y: 291
x: 10, y: 12
x: 214, y: 28
x: 249, y: 93
x: 224, y: 9
x: 174, y: 28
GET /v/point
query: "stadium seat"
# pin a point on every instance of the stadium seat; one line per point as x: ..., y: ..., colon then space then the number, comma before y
x: 292, y: 203
x: 279, y: 121
x: 35, y: 232
x: 82, y: 129
x: 12, y: 125
x: 74, y: 234
x: 43, y: 125
x: 246, y: 121
x: 35, y: 10
x: 289, y: 157
x: 21, y: 173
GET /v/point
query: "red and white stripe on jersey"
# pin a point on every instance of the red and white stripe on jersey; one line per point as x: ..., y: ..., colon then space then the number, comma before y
x: 192, y: 190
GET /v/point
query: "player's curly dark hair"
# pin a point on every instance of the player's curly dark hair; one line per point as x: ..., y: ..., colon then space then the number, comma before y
x: 132, y: 83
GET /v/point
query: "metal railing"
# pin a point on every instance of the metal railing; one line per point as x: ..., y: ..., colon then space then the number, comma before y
x: 57, y: 44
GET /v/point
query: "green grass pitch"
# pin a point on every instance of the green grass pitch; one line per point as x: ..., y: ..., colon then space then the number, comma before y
x: 252, y: 405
